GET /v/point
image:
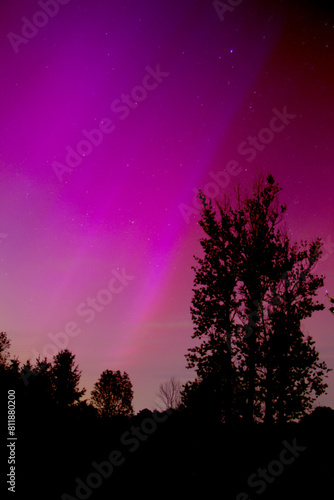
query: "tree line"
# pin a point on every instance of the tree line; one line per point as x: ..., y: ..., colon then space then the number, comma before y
x: 56, y: 383
x: 253, y: 288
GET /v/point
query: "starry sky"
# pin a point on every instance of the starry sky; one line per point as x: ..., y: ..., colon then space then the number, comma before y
x: 113, y: 115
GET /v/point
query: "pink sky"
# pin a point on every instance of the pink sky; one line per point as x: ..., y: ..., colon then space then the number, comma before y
x: 119, y: 208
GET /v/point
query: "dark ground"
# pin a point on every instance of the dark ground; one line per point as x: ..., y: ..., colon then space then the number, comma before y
x: 180, y: 456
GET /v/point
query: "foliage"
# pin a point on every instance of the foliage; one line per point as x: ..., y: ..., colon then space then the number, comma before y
x: 252, y: 290
x: 4, y: 348
x: 65, y: 377
x: 113, y: 394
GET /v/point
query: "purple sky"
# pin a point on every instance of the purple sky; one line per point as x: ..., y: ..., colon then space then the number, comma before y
x: 180, y: 95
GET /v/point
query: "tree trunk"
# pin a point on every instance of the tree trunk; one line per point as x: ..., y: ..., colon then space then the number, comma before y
x: 268, y: 418
x: 283, y: 379
x: 249, y: 417
x: 229, y: 390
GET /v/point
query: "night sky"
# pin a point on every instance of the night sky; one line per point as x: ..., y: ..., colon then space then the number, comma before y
x: 113, y: 115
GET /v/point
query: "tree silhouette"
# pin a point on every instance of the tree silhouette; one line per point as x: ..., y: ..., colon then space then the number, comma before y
x: 252, y: 291
x: 170, y: 394
x: 263, y: 252
x: 113, y: 394
x: 296, y: 374
x: 9, y: 368
x: 4, y: 348
x: 41, y: 386
x: 65, y: 376
x: 330, y: 300
x: 214, y: 307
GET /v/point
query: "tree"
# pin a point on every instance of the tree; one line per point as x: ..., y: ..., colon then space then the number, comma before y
x: 263, y: 254
x: 170, y: 394
x: 113, y: 394
x: 65, y: 376
x: 296, y: 373
x: 41, y: 386
x: 214, y: 307
x: 9, y: 368
x: 4, y: 348
x: 253, y: 357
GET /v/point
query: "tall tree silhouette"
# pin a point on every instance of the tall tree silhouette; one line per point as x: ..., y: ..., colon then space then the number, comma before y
x: 65, y: 376
x: 214, y: 306
x: 262, y: 250
x: 253, y: 356
x: 113, y: 394
x: 296, y: 373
